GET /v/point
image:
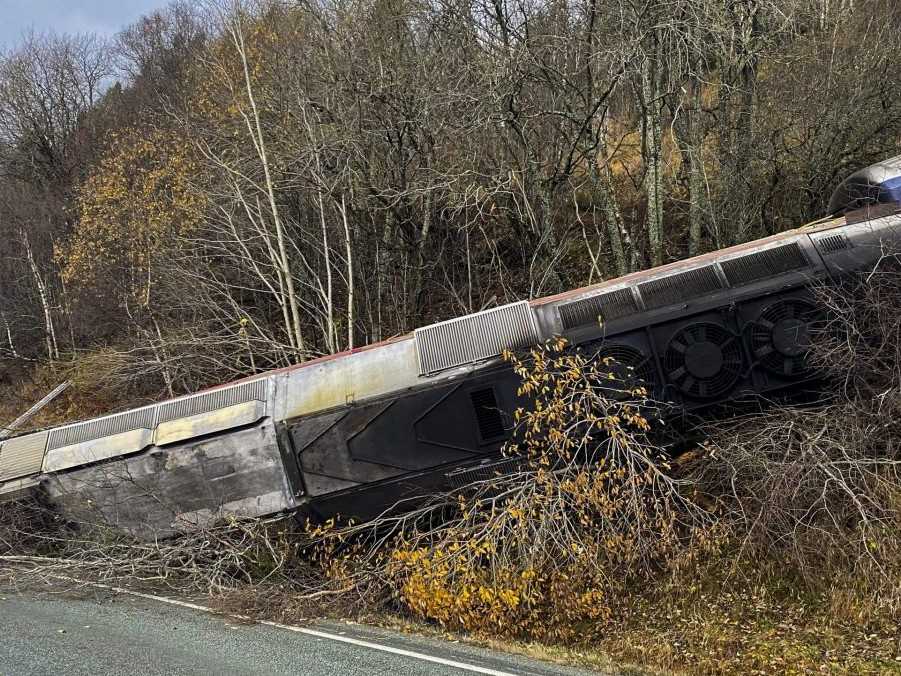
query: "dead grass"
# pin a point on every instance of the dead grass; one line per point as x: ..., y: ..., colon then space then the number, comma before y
x: 754, y: 629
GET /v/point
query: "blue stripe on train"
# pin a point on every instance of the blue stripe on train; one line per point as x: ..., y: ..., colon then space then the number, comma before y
x: 890, y: 190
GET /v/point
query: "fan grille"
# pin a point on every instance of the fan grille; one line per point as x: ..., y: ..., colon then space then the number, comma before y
x: 780, y: 338
x: 629, y: 366
x: 703, y: 360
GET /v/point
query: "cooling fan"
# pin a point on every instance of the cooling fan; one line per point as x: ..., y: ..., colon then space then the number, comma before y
x: 780, y: 338
x: 703, y: 360
x: 629, y: 365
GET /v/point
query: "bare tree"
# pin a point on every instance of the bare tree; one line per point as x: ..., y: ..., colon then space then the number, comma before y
x: 47, y: 85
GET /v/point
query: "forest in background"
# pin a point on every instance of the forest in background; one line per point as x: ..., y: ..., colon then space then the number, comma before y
x: 222, y: 189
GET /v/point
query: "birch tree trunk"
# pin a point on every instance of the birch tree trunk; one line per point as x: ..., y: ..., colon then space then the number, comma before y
x: 350, y: 275
x: 624, y: 253
x: 9, y: 336
x: 162, y: 358
x: 255, y: 128
x: 329, y: 297
x: 419, y: 262
x: 44, y: 295
x: 653, y: 180
x: 737, y: 98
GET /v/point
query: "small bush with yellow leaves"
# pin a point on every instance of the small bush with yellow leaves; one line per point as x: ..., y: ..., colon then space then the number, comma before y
x: 542, y: 551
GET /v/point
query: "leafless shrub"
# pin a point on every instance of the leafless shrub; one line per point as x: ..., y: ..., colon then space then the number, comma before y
x: 216, y: 559
x: 812, y: 485
x: 819, y: 487
x: 860, y: 344
x: 27, y: 526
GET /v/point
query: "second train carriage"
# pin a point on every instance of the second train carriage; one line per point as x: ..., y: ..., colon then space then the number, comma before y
x: 355, y: 432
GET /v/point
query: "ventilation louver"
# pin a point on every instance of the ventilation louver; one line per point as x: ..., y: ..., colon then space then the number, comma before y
x: 703, y: 360
x: 764, y: 264
x: 255, y: 390
x: 780, y: 338
x: 679, y: 288
x: 488, y: 415
x: 486, y: 472
x: 831, y: 244
x: 22, y: 456
x: 104, y: 427
x: 603, y: 307
x: 475, y: 337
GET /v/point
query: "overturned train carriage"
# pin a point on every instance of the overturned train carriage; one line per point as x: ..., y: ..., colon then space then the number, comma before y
x: 355, y: 432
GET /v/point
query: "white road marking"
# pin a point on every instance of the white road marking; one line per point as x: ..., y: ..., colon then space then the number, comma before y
x: 396, y: 651
x: 301, y: 630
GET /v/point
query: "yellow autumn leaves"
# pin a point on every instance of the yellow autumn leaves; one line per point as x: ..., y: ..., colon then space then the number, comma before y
x: 546, y: 549
x: 132, y: 208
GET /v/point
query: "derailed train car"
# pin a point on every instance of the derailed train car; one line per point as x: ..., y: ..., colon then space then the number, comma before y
x: 357, y: 431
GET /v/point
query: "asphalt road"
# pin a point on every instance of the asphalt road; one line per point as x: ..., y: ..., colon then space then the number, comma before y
x: 117, y: 634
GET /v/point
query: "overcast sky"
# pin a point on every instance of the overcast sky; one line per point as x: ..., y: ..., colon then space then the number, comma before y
x: 69, y: 16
